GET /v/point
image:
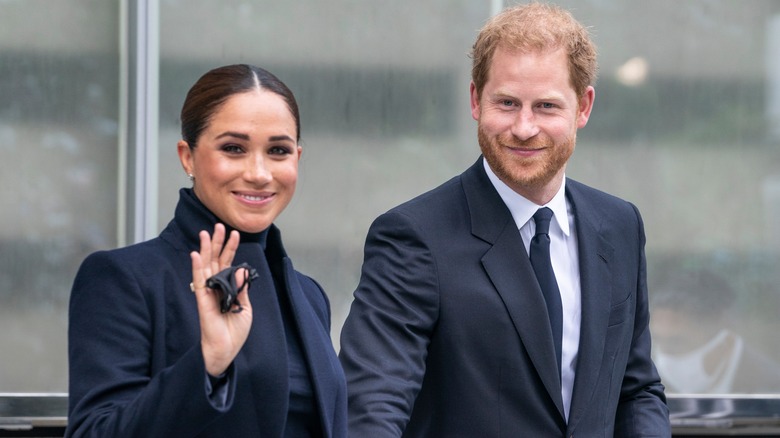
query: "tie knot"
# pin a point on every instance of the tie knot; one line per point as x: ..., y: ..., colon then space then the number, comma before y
x: 542, y: 219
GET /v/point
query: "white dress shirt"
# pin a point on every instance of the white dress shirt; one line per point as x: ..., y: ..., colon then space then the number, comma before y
x: 565, y: 262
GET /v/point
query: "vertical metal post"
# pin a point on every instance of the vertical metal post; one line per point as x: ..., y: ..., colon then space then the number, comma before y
x: 139, y: 135
x: 772, y: 50
x: 496, y: 6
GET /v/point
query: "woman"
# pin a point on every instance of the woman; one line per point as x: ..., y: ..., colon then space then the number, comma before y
x: 151, y: 353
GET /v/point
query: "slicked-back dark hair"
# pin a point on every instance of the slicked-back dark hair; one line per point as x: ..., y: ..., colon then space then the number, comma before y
x: 216, y: 86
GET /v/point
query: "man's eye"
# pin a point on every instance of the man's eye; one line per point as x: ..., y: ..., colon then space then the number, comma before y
x: 507, y: 102
x: 548, y: 105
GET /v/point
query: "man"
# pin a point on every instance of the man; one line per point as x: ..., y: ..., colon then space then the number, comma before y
x: 450, y: 334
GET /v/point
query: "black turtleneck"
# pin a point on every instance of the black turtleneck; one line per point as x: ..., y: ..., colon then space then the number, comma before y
x: 302, y: 417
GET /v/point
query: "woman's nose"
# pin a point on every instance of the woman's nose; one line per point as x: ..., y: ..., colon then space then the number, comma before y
x: 257, y: 171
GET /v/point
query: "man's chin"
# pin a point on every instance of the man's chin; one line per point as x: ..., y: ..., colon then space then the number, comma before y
x: 518, y: 178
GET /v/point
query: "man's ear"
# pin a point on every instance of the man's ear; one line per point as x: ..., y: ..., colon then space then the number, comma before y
x: 475, y: 109
x: 585, y: 106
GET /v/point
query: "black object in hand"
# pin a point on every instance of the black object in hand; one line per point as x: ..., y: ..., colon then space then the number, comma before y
x: 224, y: 283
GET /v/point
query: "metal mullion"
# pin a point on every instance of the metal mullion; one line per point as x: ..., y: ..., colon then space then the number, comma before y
x: 139, y: 135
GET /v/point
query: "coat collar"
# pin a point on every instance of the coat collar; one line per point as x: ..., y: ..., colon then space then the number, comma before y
x: 312, y: 324
x: 192, y: 217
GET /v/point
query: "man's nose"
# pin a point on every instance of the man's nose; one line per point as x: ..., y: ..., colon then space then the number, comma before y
x: 525, y: 125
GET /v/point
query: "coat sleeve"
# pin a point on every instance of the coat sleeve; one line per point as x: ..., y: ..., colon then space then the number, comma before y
x: 642, y: 409
x: 113, y: 389
x: 385, y: 338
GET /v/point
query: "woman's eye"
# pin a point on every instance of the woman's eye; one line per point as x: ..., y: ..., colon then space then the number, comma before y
x: 279, y: 150
x: 232, y: 148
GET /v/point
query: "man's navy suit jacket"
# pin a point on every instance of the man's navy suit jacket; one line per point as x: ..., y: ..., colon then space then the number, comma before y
x: 448, y: 334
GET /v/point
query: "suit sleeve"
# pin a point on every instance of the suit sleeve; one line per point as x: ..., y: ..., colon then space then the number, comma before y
x: 642, y: 409
x: 113, y: 391
x: 385, y: 338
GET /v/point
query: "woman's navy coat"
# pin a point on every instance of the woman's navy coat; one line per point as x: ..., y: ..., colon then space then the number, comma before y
x: 136, y: 367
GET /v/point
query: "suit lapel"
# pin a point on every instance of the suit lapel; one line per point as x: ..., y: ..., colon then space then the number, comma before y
x: 510, y: 271
x: 595, y: 255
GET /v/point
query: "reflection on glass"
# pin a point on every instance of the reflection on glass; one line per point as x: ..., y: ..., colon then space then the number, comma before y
x: 58, y: 184
x: 698, y: 348
x: 685, y: 126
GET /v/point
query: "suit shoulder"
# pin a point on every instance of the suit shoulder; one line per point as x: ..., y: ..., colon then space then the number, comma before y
x: 604, y: 211
x: 434, y: 202
x: 578, y: 190
x: 593, y: 193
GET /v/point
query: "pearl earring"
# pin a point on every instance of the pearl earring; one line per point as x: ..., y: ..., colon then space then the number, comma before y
x: 191, y: 177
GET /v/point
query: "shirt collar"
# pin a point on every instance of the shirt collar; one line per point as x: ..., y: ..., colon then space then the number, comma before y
x: 522, y: 209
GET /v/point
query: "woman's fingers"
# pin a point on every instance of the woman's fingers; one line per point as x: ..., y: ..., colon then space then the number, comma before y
x: 198, y: 280
x: 242, y: 276
x: 205, y: 255
x: 229, y: 251
x: 203, y: 297
x: 222, y: 251
x: 215, y: 255
x: 217, y: 240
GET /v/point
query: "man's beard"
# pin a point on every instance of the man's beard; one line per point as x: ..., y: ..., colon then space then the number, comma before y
x: 525, y: 174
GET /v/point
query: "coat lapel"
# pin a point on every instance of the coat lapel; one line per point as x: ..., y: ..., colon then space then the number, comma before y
x: 595, y: 255
x: 264, y: 354
x: 315, y: 341
x: 313, y: 326
x: 509, y: 268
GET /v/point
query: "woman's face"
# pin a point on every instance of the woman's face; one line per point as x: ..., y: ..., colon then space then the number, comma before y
x: 245, y: 165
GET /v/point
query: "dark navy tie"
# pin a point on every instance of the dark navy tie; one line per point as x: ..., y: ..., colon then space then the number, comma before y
x: 540, y: 259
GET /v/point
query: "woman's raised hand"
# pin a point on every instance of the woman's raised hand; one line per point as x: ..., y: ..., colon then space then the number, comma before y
x: 221, y: 334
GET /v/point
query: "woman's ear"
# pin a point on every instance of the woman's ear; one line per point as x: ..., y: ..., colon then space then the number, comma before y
x: 185, y: 156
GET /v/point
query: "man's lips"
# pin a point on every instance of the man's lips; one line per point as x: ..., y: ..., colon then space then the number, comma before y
x: 524, y: 151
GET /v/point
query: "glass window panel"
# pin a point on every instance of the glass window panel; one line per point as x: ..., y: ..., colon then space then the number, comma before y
x: 58, y: 133
x: 385, y: 114
x: 684, y: 126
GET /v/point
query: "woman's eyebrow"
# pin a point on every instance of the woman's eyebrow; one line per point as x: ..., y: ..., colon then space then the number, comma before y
x: 246, y: 136
x: 233, y: 134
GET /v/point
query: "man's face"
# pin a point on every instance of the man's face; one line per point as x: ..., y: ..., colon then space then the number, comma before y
x: 528, y: 116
